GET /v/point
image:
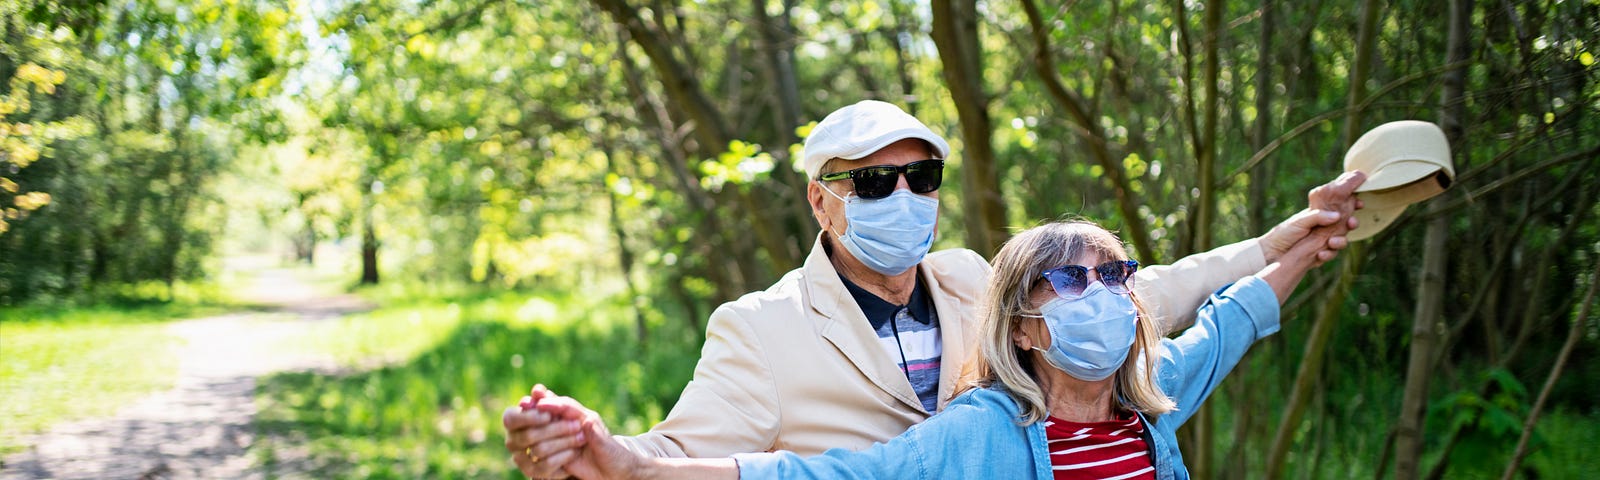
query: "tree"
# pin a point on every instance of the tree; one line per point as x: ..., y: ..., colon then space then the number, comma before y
x: 955, y: 32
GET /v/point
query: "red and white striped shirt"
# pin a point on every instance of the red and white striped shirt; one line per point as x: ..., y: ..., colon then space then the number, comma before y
x: 1113, y: 450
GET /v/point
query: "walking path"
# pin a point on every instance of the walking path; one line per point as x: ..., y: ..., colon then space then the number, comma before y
x: 202, y: 427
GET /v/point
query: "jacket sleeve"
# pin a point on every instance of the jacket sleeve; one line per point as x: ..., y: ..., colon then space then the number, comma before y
x: 1193, y: 364
x: 731, y: 404
x: 1171, y: 293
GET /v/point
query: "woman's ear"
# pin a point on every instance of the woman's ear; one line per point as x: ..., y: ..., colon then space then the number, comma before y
x: 1020, y: 338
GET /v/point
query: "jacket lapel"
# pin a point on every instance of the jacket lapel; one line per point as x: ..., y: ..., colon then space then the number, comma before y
x: 952, y: 332
x: 840, y: 321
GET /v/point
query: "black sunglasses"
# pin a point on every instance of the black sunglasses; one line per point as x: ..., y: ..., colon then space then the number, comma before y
x: 1071, y: 280
x: 878, y: 181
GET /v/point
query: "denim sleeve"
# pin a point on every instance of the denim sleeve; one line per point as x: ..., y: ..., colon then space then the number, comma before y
x: 901, y: 457
x: 1193, y: 364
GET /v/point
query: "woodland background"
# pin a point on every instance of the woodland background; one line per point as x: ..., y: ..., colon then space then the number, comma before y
x: 561, y: 191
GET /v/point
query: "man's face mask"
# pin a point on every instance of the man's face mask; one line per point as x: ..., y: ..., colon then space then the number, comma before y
x: 890, y: 234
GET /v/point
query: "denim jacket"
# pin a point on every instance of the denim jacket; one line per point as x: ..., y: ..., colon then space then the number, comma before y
x: 979, y: 433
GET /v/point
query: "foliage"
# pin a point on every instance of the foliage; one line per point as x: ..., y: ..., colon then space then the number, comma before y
x: 21, y: 144
x: 643, y: 153
x: 122, y: 114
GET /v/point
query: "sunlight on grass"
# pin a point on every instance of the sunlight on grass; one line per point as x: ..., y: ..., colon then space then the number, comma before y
x: 52, y: 373
x: 72, y: 358
x: 380, y: 337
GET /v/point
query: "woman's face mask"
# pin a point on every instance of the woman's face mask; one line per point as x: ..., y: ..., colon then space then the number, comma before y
x: 891, y: 234
x: 1090, y: 335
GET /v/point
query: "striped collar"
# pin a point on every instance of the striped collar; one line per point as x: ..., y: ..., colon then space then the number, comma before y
x: 878, y: 311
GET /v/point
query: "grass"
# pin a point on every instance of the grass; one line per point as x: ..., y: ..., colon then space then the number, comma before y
x: 455, y: 359
x: 69, y: 359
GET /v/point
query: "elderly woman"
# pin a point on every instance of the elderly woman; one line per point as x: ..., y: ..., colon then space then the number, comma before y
x: 1070, y: 381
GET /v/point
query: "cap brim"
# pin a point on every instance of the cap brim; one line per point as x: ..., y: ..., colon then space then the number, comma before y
x: 1371, y: 220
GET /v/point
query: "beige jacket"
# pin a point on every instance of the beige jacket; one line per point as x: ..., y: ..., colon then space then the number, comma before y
x: 798, y: 367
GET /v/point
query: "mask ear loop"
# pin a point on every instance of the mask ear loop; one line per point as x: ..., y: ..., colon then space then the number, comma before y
x: 846, y: 201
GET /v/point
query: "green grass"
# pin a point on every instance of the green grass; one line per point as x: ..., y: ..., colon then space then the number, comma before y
x: 457, y: 358
x: 69, y: 359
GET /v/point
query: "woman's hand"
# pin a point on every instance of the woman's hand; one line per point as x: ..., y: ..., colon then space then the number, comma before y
x: 542, y: 442
x: 1310, y: 252
x: 587, y: 451
x: 1328, y: 204
x: 601, y: 457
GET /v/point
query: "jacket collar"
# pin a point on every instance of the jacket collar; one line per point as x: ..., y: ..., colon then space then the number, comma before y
x: 839, y: 320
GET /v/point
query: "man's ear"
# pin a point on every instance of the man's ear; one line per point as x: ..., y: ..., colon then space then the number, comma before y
x: 816, y: 197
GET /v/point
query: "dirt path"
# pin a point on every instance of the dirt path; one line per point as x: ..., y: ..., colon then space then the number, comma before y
x: 202, y: 427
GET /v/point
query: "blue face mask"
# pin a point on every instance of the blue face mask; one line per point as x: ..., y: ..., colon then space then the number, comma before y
x: 891, y: 234
x: 1089, y: 336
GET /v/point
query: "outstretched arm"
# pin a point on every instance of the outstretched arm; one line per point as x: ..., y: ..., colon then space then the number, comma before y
x: 603, y: 457
x: 1338, y: 197
x: 1319, y: 243
x: 1285, y: 274
x: 1173, y: 292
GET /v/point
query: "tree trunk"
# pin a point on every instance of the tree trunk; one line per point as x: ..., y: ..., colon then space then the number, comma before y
x: 719, y: 269
x: 369, y: 242
x: 1430, y: 293
x: 955, y: 33
x: 624, y: 254
x: 1137, y: 232
x: 1185, y: 46
x: 1366, y: 45
x: 901, y: 39
x: 1206, y: 148
x: 777, y: 42
x: 1322, y: 329
x: 309, y: 254
x: 1202, y: 424
x: 1260, y: 176
x: 712, y: 133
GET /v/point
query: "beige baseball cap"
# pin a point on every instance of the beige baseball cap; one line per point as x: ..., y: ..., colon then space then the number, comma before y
x: 858, y: 130
x: 1406, y: 162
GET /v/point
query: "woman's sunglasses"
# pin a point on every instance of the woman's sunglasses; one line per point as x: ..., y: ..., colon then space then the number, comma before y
x: 878, y: 181
x: 1071, y: 280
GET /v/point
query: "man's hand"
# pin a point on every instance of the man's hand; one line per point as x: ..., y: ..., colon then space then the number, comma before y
x: 542, y: 441
x: 601, y: 457
x: 1329, y: 203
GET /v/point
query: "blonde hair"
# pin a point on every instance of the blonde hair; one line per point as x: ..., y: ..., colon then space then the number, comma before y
x: 1021, y: 262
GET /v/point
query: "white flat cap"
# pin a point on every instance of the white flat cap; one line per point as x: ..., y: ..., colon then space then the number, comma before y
x: 859, y: 130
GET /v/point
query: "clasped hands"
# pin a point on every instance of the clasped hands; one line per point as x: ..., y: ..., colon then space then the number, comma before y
x: 551, y: 436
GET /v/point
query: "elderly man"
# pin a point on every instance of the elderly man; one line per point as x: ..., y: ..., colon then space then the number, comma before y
x: 867, y: 338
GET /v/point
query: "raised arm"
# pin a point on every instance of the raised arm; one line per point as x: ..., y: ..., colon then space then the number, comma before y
x: 1173, y: 292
